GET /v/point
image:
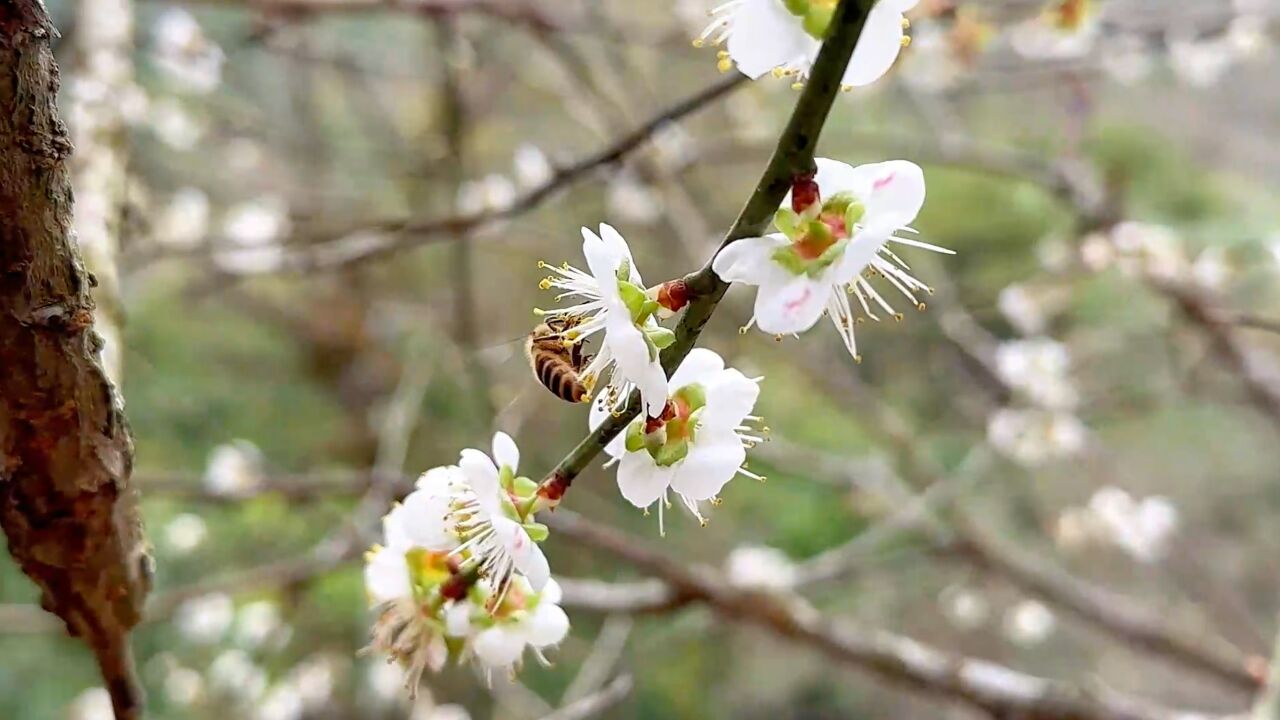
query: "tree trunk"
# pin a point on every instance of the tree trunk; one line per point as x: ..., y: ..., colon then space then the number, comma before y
x: 66, y: 505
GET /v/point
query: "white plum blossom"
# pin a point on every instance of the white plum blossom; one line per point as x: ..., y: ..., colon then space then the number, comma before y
x: 1029, y: 623
x: 234, y: 468
x: 833, y: 230
x: 283, y: 702
x: 695, y: 445
x: 1037, y: 368
x: 254, y: 229
x: 385, y: 680
x: 1034, y: 436
x: 966, y: 608
x: 612, y: 298
x: 531, y: 166
x: 495, y: 529
x: 1210, y: 269
x: 257, y: 622
x: 1126, y: 59
x: 183, y: 686
x: 1141, y: 528
x: 92, y: 704
x: 522, y: 619
x: 233, y: 673
x: 1022, y: 308
x: 174, y: 125
x: 185, y: 220
x: 1064, y: 29
x: 784, y: 36
x: 760, y: 568
x: 183, y: 52
x: 184, y: 533
x: 1200, y: 61
x: 205, y: 619
x: 492, y: 193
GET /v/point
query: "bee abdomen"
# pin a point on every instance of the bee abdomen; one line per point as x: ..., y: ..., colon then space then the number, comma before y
x: 558, y: 377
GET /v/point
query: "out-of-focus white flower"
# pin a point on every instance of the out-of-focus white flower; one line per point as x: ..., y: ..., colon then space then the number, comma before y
x: 243, y: 155
x: 92, y: 704
x: 931, y: 65
x: 1028, y: 623
x: 183, y: 52
x: 760, y: 568
x: 174, y: 126
x: 673, y: 145
x: 784, y: 37
x: 1126, y: 59
x: 205, y: 619
x: 964, y: 607
x: 185, y: 220
x: 695, y: 445
x: 1022, y: 309
x: 531, y: 166
x: 385, y: 679
x: 1148, y: 249
x: 183, y: 686
x: 1033, y: 436
x: 492, y: 193
x: 833, y: 228
x: 1199, y: 61
x: 234, y: 468
x: 1037, y: 367
x: 523, y: 619
x: 313, y: 681
x: 632, y: 201
x: 1210, y: 269
x: 257, y: 222
x: 282, y: 703
x: 1096, y: 252
x: 254, y: 230
x: 234, y: 674
x: 184, y: 533
x: 1075, y: 528
x: 257, y: 623
x: 1142, y: 528
x: 1248, y: 36
x: 1064, y: 29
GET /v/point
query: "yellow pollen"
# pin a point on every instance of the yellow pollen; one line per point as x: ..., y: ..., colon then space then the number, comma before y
x: 544, y: 284
x: 857, y: 359
x: 905, y: 23
x: 722, y: 54
x: 898, y: 317
x: 922, y: 307
x: 778, y: 72
x: 564, y: 265
x: 724, y: 65
x: 777, y: 338
x: 743, y: 330
x: 906, y: 40
x: 797, y: 86
x: 542, y: 265
x: 697, y: 42
x: 717, y: 501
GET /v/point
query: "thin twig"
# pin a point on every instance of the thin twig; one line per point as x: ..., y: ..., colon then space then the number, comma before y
x: 596, y: 703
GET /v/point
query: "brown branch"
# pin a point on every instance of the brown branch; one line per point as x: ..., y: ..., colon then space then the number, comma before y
x: 995, y: 689
x: 520, y: 12
x: 66, y: 504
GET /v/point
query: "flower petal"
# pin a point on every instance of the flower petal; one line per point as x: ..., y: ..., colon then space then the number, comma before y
x: 601, y: 260
x: 631, y: 355
x: 750, y: 260
x: 596, y: 417
x: 505, y: 451
x: 730, y: 399
x: 713, y: 460
x: 426, y: 521
x: 395, y: 531
x: 764, y: 36
x: 620, y: 249
x: 641, y: 481
x: 897, y: 194
x: 551, y: 592
x: 498, y: 647
x: 699, y: 366
x: 457, y: 619
x: 524, y: 552
x: 482, y: 477
x: 386, y: 576
x: 548, y: 625
x: 878, y: 45
x: 791, y: 307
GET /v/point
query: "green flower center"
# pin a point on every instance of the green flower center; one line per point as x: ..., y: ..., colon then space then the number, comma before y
x: 818, y: 235
x: 667, y: 437
x: 815, y: 15
x: 642, y: 308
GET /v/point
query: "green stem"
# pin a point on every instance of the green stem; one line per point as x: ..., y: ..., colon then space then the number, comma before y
x: 793, y: 156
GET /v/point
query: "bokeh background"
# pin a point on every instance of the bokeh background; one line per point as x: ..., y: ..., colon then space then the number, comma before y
x: 1090, y: 386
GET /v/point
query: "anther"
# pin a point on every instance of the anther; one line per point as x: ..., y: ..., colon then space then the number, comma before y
x: 697, y: 42
x: 797, y: 86
x: 777, y: 338
x: 542, y: 265
x: 922, y: 307
x: 898, y: 317
x: 906, y: 40
x: 743, y: 330
x: 544, y: 284
x: 906, y: 23
x: 857, y: 359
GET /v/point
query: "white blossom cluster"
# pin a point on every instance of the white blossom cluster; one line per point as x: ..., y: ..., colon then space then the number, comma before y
x: 1139, y: 250
x: 459, y: 574
x: 1041, y: 424
x: 1142, y: 528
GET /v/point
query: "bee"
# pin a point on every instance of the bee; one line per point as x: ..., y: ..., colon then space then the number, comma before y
x: 556, y: 362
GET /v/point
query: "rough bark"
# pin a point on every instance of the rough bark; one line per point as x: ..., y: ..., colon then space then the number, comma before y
x: 66, y: 505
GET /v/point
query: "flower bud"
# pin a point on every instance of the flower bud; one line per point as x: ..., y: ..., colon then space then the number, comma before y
x: 673, y: 295
x: 804, y: 192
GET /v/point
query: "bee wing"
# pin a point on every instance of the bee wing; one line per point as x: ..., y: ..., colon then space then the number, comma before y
x: 501, y: 353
